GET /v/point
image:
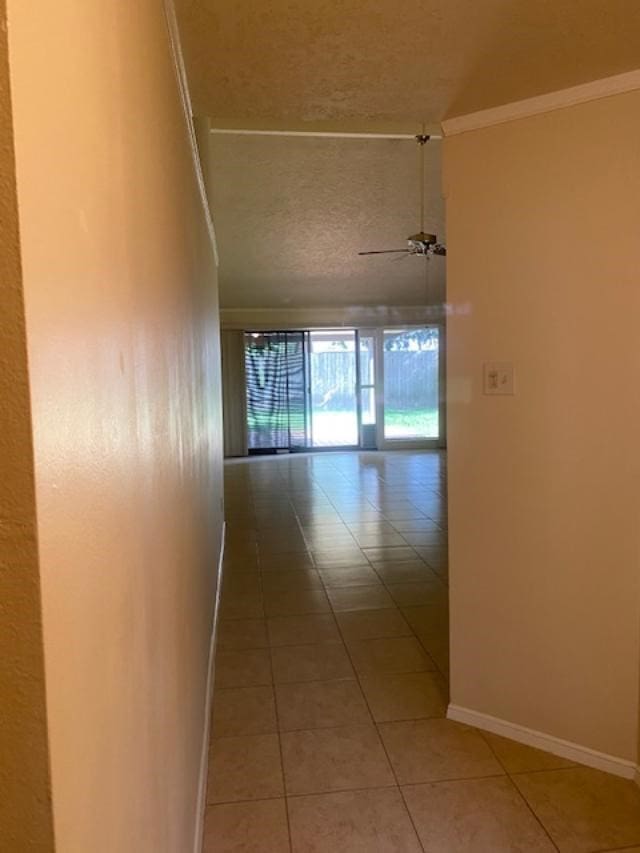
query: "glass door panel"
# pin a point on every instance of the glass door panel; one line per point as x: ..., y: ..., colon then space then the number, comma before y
x: 411, y: 384
x: 334, y: 402
x: 367, y: 380
x: 276, y: 390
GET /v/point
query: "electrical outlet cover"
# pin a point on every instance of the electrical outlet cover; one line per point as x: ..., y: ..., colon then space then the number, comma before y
x: 498, y: 378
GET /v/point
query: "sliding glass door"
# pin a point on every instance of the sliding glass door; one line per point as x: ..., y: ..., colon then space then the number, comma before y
x: 333, y: 387
x: 411, y: 384
x: 345, y: 388
x: 276, y: 391
x: 301, y: 390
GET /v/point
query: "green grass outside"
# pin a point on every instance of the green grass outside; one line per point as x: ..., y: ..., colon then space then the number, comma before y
x: 422, y: 419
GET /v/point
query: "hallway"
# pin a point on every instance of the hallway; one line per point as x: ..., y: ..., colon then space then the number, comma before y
x: 328, y: 729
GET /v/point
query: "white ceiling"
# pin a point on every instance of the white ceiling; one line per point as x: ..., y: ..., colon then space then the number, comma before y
x: 291, y: 215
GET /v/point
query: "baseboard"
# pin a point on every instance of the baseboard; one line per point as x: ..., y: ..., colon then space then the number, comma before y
x: 204, y: 755
x: 549, y: 743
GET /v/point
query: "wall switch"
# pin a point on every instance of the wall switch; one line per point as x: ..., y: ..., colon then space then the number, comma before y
x: 498, y: 378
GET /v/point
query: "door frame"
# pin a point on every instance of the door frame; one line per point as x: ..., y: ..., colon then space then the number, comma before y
x: 411, y: 443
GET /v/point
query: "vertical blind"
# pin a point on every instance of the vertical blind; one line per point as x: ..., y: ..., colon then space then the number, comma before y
x: 276, y: 390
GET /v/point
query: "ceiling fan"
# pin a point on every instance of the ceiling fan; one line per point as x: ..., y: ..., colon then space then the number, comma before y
x: 420, y: 243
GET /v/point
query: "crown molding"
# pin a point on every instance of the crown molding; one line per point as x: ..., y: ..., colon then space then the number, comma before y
x: 596, y: 89
x: 362, y: 316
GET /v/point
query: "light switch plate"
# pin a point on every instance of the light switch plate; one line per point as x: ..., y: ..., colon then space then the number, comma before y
x: 498, y: 378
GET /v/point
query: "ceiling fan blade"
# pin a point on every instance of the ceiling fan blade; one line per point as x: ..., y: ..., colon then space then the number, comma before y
x: 384, y: 252
x: 439, y: 249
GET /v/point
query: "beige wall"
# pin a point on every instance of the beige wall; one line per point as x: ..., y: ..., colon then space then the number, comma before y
x: 25, y: 804
x: 542, y: 223
x: 121, y: 310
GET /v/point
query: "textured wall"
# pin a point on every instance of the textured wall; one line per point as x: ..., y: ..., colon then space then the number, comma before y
x: 122, y: 332
x: 542, y: 219
x: 25, y: 806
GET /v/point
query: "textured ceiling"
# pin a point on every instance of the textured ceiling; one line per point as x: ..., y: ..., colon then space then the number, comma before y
x: 366, y: 62
x: 291, y: 215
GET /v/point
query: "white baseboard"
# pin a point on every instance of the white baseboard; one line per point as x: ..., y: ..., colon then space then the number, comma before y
x: 204, y: 756
x: 549, y: 743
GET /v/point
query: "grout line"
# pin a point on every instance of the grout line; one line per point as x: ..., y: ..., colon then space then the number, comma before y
x: 382, y: 744
x: 573, y: 765
x: 520, y: 794
x: 275, y: 706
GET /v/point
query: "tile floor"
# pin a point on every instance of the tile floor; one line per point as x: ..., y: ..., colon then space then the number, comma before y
x: 328, y: 732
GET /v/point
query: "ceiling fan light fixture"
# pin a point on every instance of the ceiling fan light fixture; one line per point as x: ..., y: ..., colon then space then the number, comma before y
x: 420, y: 243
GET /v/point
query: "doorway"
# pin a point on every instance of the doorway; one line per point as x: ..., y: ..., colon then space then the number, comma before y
x: 333, y: 389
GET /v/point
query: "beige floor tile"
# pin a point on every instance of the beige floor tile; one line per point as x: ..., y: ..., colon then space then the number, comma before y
x: 325, y: 528
x: 244, y: 768
x: 519, y: 758
x: 298, y: 630
x: 380, y: 540
x: 334, y: 759
x: 428, y: 618
x: 370, y: 624
x: 423, y: 539
x: 411, y: 594
x: 254, y: 827
x: 582, y: 809
x: 434, y: 750
x: 339, y: 559
x: 239, y: 551
x: 371, y: 527
x: 289, y: 563
x: 319, y: 518
x: 324, y: 539
x: 362, y: 516
x: 403, y: 514
x: 310, y: 663
x: 243, y: 711
x: 242, y: 634
x: 437, y: 647
x: 242, y: 667
x: 437, y: 558
x: 359, y: 598
x: 352, y: 822
x: 407, y: 696
x: 320, y: 704
x: 242, y: 605
x: 416, y: 525
x: 241, y: 582
x: 390, y: 555
x: 295, y: 603
x: 389, y: 655
x: 410, y: 571
x: 239, y: 565
x: 349, y: 576
x: 475, y: 816
x: 290, y: 581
